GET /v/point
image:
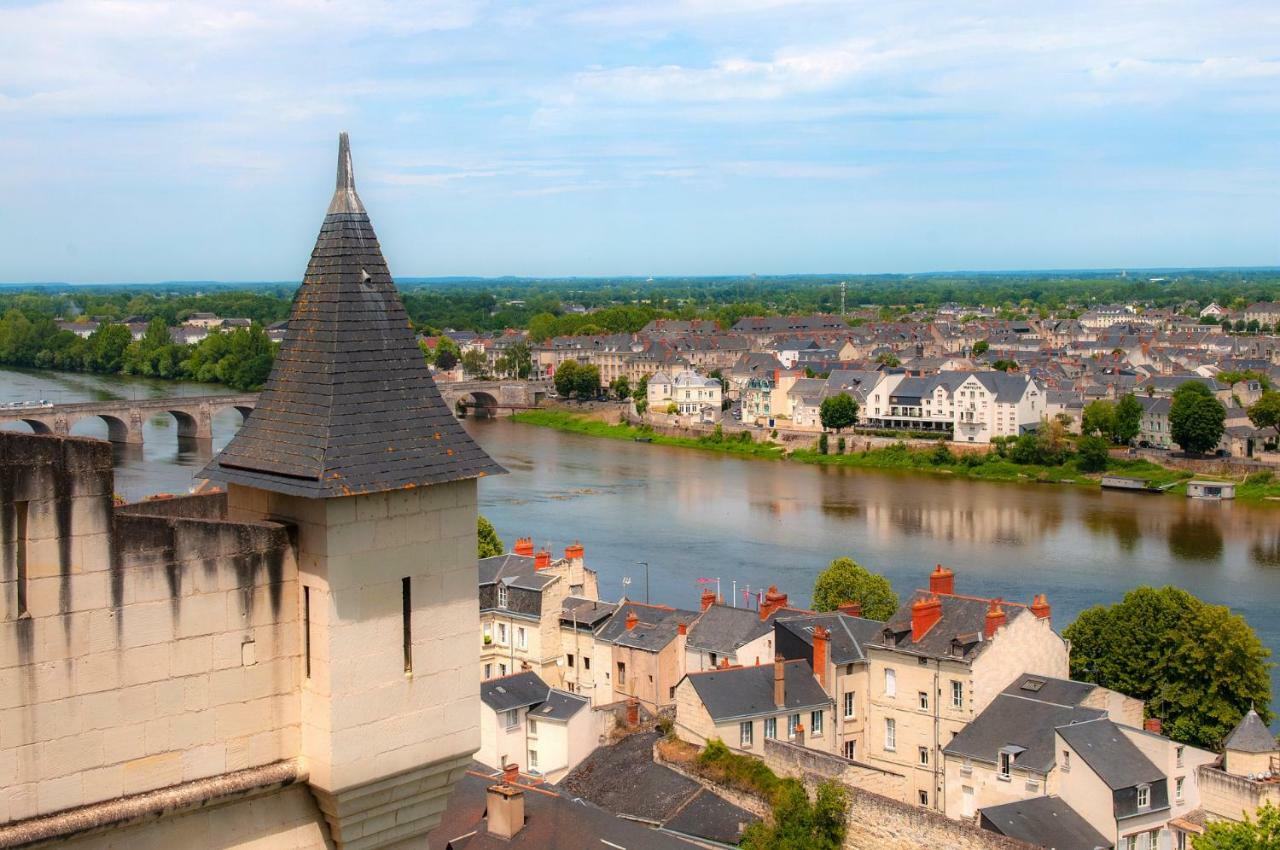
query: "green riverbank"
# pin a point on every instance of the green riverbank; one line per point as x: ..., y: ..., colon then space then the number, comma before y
x: 1261, y: 487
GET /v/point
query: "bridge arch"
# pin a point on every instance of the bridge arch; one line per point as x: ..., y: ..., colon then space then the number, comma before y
x: 33, y: 426
x: 481, y: 404
x: 188, y: 424
x: 118, y: 430
x: 39, y: 426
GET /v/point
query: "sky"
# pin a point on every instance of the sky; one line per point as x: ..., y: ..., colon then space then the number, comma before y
x: 196, y: 140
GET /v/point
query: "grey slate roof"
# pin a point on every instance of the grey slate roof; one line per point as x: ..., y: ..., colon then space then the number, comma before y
x: 559, y: 705
x: 1111, y: 755
x: 723, y: 628
x: 1251, y: 736
x: 513, y: 570
x: 1046, y: 821
x: 585, y: 612
x: 656, y: 628
x: 848, y: 634
x: 748, y: 691
x: 515, y: 691
x: 1021, y: 722
x: 1049, y: 689
x: 350, y: 406
x: 964, y: 619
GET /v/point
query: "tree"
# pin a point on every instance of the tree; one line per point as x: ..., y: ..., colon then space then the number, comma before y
x: 844, y: 580
x: 1196, y: 418
x: 981, y: 347
x: 566, y: 378
x: 488, y: 543
x: 106, y: 348
x: 621, y: 387
x: 1262, y: 834
x: 1099, y: 418
x: 516, y: 361
x: 838, y: 411
x: 475, y: 364
x: 446, y: 358
x: 1093, y: 454
x: 1265, y: 412
x: 823, y: 444
x: 889, y: 359
x: 1128, y: 420
x: 1198, y: 667
x: 797, y: 823
x: 1005, y: 365
x: 586, y: 381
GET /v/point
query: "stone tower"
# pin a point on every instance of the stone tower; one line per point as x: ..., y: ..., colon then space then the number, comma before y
x: 352, y: 445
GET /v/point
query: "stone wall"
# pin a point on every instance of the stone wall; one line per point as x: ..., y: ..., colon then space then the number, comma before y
x: 137, y: 651
x: 786, y: 759
x: 879, y: 823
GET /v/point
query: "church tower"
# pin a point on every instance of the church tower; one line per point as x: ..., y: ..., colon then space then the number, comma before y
x: 352, y: 445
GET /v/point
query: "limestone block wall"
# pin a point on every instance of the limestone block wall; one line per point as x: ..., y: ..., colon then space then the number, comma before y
x: 144, y: 651
x: 787, y: 759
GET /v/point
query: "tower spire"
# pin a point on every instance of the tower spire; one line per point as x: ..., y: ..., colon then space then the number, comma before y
x: 345, y: 199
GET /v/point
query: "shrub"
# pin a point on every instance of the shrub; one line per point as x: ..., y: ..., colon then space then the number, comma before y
x: 840, y: 446
x: 1266, y: 476
x: 718, y: 763
x: 822, y: 442
x: 1093, y: 454
x: 941, y: 455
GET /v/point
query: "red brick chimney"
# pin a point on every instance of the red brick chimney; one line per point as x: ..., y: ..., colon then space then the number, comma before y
x: 779, y: 682
x: 682, y: 629
x: 542, y: 560
x: 821, y: 651
x: 773, y: 600
x: 925, y: 614
x: 574, y: 552
x: 942, y: 580
x: 853, y: 609
x: 633, y: 712
x: 708, y: 598
x: 632, y: 620
x: 510, y: 773
x: 524, y: 546
x: 1153, y: 724
x: 995, y: 618
x: 1040, y: 607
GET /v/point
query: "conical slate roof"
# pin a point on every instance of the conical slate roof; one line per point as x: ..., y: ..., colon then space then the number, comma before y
x: 350, y: 406
x: 1251, y: 736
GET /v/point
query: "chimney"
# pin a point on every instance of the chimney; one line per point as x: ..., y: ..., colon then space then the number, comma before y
x: 925, y: 614
x: 853, y: 609
x: 524, y: 546
x: 1154, y: 725
x: 682, y: 629
x: 708, y: 599
x: 797, y: 735
x: 779, y: 682
x: 942, y: 580
x: 724, y: 663
x: 1040, y: 607
x: 542, y: 560
x: 574, y: 552
x: 633, y: 712
x: 632, y: 620
x: 511, y: 773
x: 995, y: 618
x: 821, y: 646
x: 773, y: 600
x: 505, y: 806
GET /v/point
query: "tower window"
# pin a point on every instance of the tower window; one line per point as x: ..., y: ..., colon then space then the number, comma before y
x: 20, y: 555
x: 306, y: 628
x: 406, y: 598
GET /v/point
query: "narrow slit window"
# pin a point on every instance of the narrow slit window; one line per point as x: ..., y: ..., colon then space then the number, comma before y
x: 306, y: 629
x: 406, y: 596
x: 20, y: 555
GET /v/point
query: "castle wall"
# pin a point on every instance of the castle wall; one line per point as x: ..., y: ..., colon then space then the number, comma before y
x: 137, y: 652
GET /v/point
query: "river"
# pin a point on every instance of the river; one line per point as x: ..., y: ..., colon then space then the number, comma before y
x: 693, y: 515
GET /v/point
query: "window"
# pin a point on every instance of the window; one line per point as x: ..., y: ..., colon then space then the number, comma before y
x: 966, y: 805
x: 406, y: 610
x: 502, y: 669
x: 511, y: 718
x: 745, y: 731
x: 533, y: 759
x: 502, y: 596
x: 522, y: 640
x: 1005, y: 766
x: 1066, y: 761
x: 792, y: 722
x: 586, y: 662
x: 848, y: 705
x: 570, y: 662
x: 488, y: 671
x: 1177, y: 789
x: 20, y: 556
x: 533, y: 728
x: 622, y: 673
x: 924, y: 756
x: 306, y: 628
x: 957, y: 694
x: 890, y: 734
x: 890, y: 682
x: 1144, y: 796
x: 923, y: 796
x: 1178, y: 752
x: 771, y: 727
x: 924, y: 700
x: 502, y: 633
x: 712, y: 656
x: 815, y: 723
x: 851, y: 750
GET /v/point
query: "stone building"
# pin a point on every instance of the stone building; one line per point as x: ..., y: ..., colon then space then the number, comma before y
x: 291, y: 663
x: 1234, y: 786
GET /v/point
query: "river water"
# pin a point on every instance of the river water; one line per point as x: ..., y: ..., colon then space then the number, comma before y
x: 692, y: 515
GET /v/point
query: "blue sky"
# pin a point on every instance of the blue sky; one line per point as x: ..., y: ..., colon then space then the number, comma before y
x: 194, y: 139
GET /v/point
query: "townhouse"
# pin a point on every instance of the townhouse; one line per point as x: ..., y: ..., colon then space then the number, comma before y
x: 525, y: 722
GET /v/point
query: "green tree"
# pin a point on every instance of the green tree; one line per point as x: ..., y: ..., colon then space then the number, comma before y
x: 1128, y: 420
x: 488, y: 543
x: 516, y: 361
x: 1098, y: 418
x: 1265, y: 412
x: 888, y: 359
x: 1196, y: 418
x: 838, y: 411
x: 475, y: 364
x: 1249, y: 834
x: 1198, y: 667
x: 844, y: 580
x: 797, y: 823
x: 981, y: 347
x: 106, y: 348
x: 823, y: 444
x: 446, y: 358
x: 1093, y: 454
x: 586, y: 382
x: 566, y: 378
x: 1005, y: 365
x: 621, y: 387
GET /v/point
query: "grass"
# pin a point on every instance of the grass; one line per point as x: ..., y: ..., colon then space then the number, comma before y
x: 1262, y: 487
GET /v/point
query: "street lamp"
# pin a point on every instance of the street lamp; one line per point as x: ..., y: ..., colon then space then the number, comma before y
x: 645, y: 564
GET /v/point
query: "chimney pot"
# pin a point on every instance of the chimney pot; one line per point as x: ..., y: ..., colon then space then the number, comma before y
x: 524, y: 546
x: 942, y: 580
x: 708, y: 599
x: 1153, y: 724
x: 853, y: 609
x: 925, y: 614
x: 995, y: 618
x: 779, y: 682
x: 510, y: 773
x: 1040, y: 607
x: 682, y: 629
x: 542, y: 560
x: 632, y: 620
x: 774, y: 599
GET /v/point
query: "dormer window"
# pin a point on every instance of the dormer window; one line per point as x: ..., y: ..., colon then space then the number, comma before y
x: 1144, y: 796
x: 502, y: 596
x: 1006, y: 765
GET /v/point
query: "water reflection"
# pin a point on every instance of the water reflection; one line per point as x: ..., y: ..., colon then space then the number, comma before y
x: 1195, y: 539
x: 1121, y: 525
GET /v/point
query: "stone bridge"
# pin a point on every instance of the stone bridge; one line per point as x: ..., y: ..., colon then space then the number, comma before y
x: 194, y: 414
x: 124, y: 417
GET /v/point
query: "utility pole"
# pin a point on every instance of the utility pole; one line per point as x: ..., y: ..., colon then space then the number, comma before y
x: 843, y: 285
x: 645, y: 564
